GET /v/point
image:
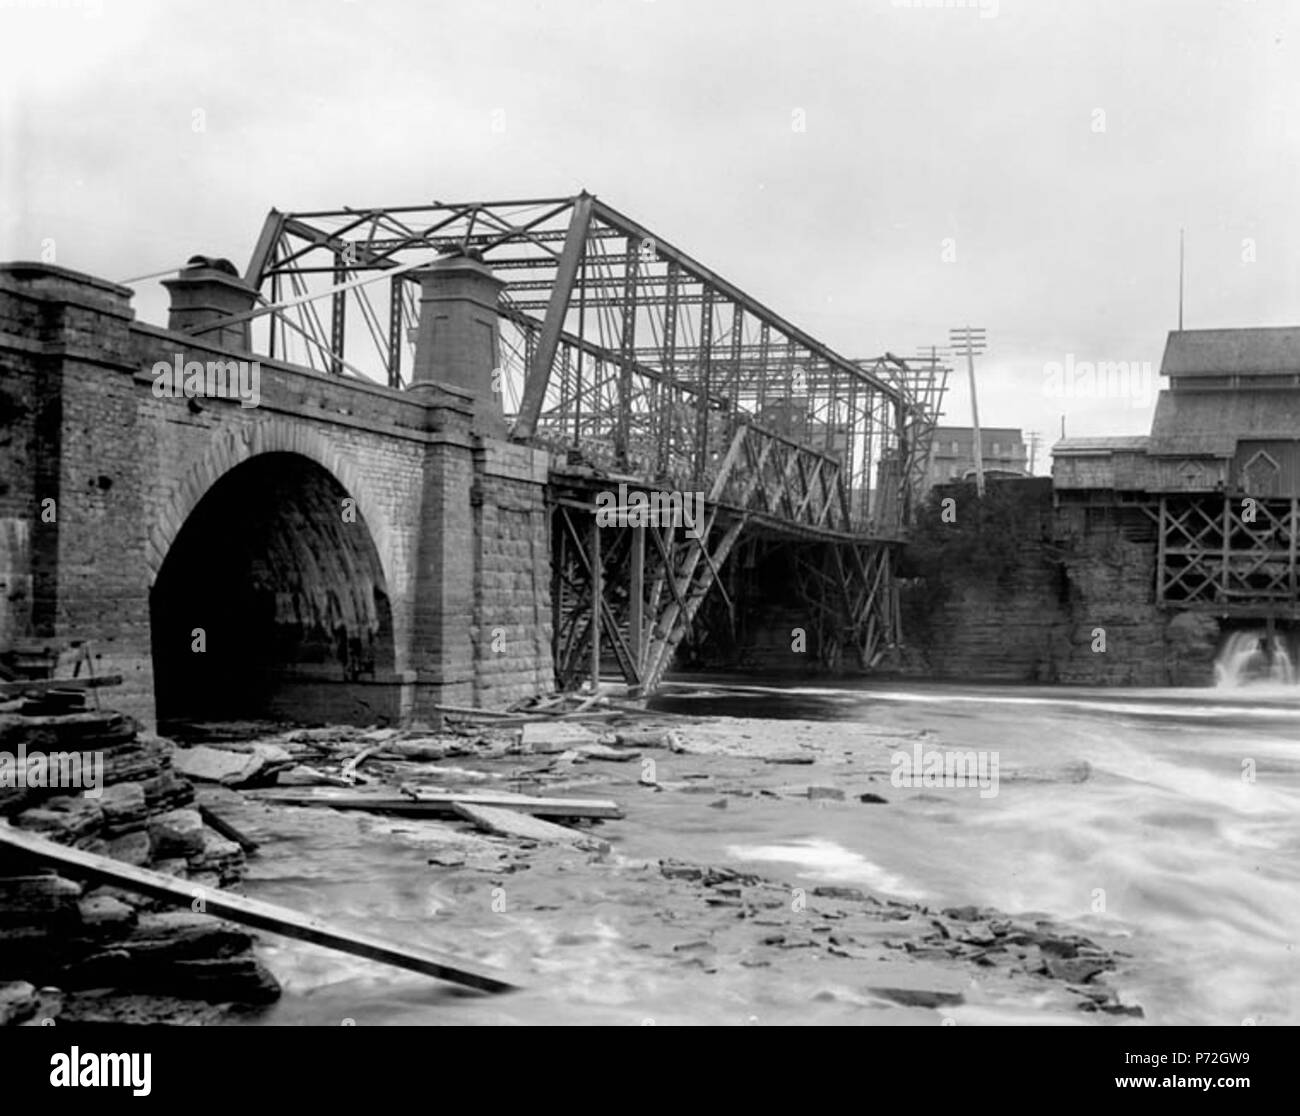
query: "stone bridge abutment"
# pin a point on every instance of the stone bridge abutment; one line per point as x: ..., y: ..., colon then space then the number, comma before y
x: 349, y: 551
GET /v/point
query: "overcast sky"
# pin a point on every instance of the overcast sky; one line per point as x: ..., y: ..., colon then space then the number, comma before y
x: 1024, y: 167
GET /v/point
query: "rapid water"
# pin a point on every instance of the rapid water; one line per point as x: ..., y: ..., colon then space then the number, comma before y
x: 1251, y: 657
x: 1171, y: 817
x: 1166, y: 820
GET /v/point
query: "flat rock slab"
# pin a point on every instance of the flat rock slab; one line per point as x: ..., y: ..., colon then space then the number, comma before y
x: 18, y: 1001
x: 913, y: 984
x: 548, y: 738
x: 509, y: 823
x: 834, y: 794
x: 216, y: 765
x: 645, y: 738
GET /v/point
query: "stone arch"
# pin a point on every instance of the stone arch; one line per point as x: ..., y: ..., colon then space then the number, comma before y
x: 234, y: 447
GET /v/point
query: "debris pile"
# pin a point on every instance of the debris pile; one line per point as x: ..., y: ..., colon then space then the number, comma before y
x: 93, y: 781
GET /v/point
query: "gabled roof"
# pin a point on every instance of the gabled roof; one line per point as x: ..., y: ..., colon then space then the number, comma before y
x: 1264, y: 351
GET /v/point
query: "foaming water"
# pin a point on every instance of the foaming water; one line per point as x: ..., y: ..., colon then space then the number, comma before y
x: 830, y: 861
x: 1254, y: 657
x: 1165, y: 820
x: 1184, y: 837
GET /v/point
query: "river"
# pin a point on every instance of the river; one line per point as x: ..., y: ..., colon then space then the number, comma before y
x: 1166, y: 820
x: 1186, y: 832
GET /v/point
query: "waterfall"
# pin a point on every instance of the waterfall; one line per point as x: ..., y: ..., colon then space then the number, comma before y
x: 1251, y: 656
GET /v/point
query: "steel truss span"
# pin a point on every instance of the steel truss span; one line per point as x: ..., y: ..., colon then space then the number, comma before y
x: 642, y: 366
x: 613, y: 341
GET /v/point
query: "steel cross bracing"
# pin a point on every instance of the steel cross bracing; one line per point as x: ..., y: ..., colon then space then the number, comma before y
x: 923, y: 382
x: 613, y: 340
x: 633, y: 358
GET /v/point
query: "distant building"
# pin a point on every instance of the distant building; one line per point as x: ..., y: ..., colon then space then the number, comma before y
x: 1214, y: 489
x: 952, y: 453
x: 1229, y: 421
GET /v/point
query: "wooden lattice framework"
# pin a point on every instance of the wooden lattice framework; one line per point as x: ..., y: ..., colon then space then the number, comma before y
x: 1228, y: 554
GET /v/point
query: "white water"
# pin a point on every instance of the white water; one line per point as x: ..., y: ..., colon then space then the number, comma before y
x: 1181, y: 835
x: 1163, y: 822
x: 1254, y: 657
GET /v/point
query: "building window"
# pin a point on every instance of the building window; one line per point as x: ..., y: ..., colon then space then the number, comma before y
x: 1261, y: 475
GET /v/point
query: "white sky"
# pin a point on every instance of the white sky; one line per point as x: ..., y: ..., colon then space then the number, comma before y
x: 921, y: 125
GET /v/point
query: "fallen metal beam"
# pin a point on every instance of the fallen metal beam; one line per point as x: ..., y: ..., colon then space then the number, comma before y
x: 247, y: 912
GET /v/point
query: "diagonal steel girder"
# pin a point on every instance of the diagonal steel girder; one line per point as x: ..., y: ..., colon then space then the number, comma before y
x: 539, y: 374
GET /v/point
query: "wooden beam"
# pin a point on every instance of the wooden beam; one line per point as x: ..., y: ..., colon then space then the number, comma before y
x: 44, y: 685
x: 247, y: 912
x: 1161, y: 528
x: 511, y: 823
x: 1227, y: 536
x: 422, y: 803
x: 228, y: 831
x: 1291, y: 546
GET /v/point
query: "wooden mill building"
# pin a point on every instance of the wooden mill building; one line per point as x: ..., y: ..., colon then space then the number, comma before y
x: 1215, y: 487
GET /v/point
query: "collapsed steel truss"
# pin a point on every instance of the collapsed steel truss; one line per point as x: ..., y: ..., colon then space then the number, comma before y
x: 642, y: 365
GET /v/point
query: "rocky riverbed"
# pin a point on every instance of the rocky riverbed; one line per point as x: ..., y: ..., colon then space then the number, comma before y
x: 697, y: 906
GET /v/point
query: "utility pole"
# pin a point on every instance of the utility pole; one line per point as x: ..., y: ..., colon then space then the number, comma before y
x: 972, y: 341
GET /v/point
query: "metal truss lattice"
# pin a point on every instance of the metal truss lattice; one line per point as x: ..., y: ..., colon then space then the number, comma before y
x: 613, y: 342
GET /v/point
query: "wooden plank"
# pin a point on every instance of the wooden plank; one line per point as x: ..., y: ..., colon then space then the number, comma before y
x: 44, y: 685
x: 228, y: 831
x: 349, y: 773
x: 511, y: 823
x: 427, y: 802
x: 1161, y: 544
x: 1291, y: 547
x: 248, y: 912
x: 469, y: 711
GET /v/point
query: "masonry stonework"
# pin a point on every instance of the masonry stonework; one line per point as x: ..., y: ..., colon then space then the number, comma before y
x: 457, y: 520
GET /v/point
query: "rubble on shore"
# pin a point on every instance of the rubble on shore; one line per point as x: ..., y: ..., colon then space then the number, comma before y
x: 64, y: 944
x: 713, y: 919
